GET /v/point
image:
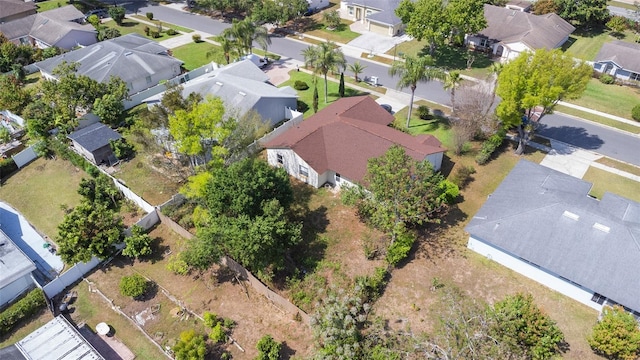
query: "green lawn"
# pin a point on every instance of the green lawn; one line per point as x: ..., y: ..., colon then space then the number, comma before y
x: 194, y: 55
x: 585, y: 45
x: 51, y: 4
x: 599, y: 119
x: 131, y: 26
x: 306, y: 96
x: 438, y: 126
x: 152, y: 186
x: 342, y: 34
x: 164, y: 24
x: 38, y: 190
x: 621, y: 4
x: 611, y: 99
x: 631, y: 169
x: 604, y: 181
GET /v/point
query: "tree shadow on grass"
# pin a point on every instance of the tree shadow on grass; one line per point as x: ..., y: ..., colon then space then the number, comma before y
x: 128, y: 24
x: 428, y: 126
x: 286, y: 352
x: 455, y: 58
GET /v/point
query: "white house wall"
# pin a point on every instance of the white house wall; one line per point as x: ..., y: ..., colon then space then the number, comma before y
x: 291, y: 163
x: 532, y: 272
x: 435, y: 160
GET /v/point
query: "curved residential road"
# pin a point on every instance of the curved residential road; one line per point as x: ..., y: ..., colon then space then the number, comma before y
x: 603, y: 140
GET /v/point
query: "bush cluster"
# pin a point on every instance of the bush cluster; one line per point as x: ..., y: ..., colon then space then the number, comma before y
x: 23, y: 309
x: 196, y: 38
x: 7, y: 166
x: 489, y: 146
x: 607, y: 79
x: 423, y: 112
x: 370, y: 288
x: 635, y: 113
x: 400, y: 249
x: 134, y: 285
x: 155, y: 34
x: 300, y: 85
x: 150, y: 15
x: 302, y: 106
x: 171, y: 31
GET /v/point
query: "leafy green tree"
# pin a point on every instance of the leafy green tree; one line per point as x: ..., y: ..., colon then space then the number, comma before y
x: 403, y: 192
x: 533, y: 83
x: 117, y: 14
x: 250, y: 127
x: 243, y: 33
x: 525, y: 329
x: 618, y: 24
x: 356, y: 68
x: 5, y: 135
x: 190, y: 346
x: 138, y: 244
x: 413, y: 70
x: 109, y: 109
x: 39, y: 118
x: 101, y: 191
x: 268, y: 348
x: 332, y: 18
x: 616, y: 335
x: 201, y: 130
x: 278, y: 12
x: 122, y: 149
x: 583, y: 13
x: 465, y: 17
x: 542, y: 7
x: 13, y: 96
x: 95, y: 21
x: 336, y: 327
x: 106, y: 33
x: 323, y: 58
x: 88, y: 230
x: 135, y: 285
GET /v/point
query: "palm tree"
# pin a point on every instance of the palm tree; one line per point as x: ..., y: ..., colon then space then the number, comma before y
x: 323, y: 58
x: 356, y: 68
x: 451, y: 81
x: 227, y: 45
x: 413, y: 70
x: 244, y: 33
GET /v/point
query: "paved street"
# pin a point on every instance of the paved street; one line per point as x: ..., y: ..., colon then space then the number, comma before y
x: 583, y: 134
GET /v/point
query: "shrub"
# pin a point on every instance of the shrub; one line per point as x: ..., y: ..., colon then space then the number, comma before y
x: 268, y: 348
x: 178, y: 266
x: 463, y: 176
x: 149, y: 15
x: 302, y: 106
x: 400, y: 249
x: 210, y: 319
x: 218, y: 334
x: 190, y: 346
x: 134, y: 285
x: 635, y: 113
x: 171, y: 31
x: 448, y: 191
x: 138, y: 244
x: 196, y: 38
x: 423, y: 112
x: 490, y: 146
x: 300, y: 85
x: 371, y: 287
x: 607, y: 79
x: 616, y: 335
x: 22, y: 309
x: 147, y: 31
x: 155, y: 34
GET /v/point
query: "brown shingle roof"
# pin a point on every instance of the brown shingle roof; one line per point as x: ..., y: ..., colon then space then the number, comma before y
x: 346, y: 134
x: 535, y: 31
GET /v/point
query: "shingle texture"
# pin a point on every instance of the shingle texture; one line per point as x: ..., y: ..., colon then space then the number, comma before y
x: 9, y: 8
x: 624, y: 54
x: 536, y: 31
x: 346, y: 134
x: 129, y: 57
x: 94, y: 137
x: 48, y: 26
x: 527, y: 217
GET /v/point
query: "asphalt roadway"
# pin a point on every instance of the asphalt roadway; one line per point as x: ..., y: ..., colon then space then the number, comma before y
x: 574, y: 131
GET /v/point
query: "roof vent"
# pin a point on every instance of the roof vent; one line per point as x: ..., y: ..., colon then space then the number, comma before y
x: 128, y: 53
x: 219, y: 83
x: 601, y: 227
x: 242, y: 93
x: 571, y: 215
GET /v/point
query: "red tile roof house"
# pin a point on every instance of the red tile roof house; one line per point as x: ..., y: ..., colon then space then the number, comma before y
x: 334, y: 145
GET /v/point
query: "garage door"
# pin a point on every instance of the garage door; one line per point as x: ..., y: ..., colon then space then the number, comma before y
x: 379, y: 29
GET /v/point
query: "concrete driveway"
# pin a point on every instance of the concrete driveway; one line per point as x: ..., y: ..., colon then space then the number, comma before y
x: 374, y: 43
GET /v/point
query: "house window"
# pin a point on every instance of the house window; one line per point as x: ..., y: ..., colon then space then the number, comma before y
x: 484, y: 42
x: 338, y: 178
x: 634, y: 76
x: 279, y: 159
x: 350, y: 8
x: 368, y: 12
x: 148, y: 80
x: 597, y: 298
x: 304, y: 171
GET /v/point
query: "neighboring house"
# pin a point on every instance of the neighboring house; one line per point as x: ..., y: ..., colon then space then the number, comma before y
x: 379, y: 16
x: 15, y: 271
x: 619, y: 59
x: 61, y: 27
x: 511, y: 32
x: 141, y: 63
x: 334, y: 145
x: 93, y: 143
x: 542, y: 224
x: 57, y: 339
x: 16, y: 9
x: 242, y: 86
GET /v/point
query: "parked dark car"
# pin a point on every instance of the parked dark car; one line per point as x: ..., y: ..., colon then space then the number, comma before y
x: 101, y: 13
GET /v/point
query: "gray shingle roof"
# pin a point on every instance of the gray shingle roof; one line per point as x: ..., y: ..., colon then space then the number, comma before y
x: 386, y: 8
x: 48, y: 27
x: 536, y: 31
x: 129, y: 57
x: 10, y: 8
x: 626, y: 55
x: 94, y: 136
x: 525, y: 217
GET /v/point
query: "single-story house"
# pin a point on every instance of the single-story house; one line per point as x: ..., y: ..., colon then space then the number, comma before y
x: 141, y: 63
x: 379, y: 16
x: 511, y: 32
x: 93, y: 143
x: 16, y: 9
x: 242, y: 86
x: 15, y: 271
x: 334, y: 145
x: 619, y: 59
x: 542, y: 224
x: 57, y: 339
x: 61, y: 27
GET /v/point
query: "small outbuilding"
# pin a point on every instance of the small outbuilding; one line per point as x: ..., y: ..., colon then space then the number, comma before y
x: 15, y: 271
x: 93, y: 142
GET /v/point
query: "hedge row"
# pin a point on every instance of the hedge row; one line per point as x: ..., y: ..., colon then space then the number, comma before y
x: 7, y: 167
x: 22, y: 309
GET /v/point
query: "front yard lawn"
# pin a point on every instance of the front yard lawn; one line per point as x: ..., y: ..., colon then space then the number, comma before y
x: 51, y: 4
x: 131, y: 26
x: 194, y: 54
x: 342, y: 34
x: 612, y: 99
x: 306, y: 96
x: 604, y: 181
x: 585, y: 45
